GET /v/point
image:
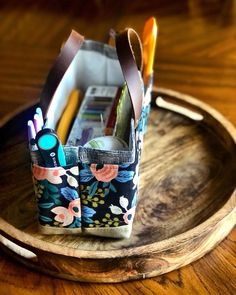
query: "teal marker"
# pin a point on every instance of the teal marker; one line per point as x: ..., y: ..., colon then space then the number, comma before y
x: 50, y: 148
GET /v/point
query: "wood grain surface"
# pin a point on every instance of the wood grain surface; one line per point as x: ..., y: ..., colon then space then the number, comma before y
x: 195, y: 54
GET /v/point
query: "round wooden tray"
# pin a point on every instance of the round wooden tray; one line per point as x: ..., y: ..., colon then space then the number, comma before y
x: 186, y: 204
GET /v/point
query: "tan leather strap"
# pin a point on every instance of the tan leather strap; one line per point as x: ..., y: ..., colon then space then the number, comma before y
x: 61, y: 64
x: 129, y: 52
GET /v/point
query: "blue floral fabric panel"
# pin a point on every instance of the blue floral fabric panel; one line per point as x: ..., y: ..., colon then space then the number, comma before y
x: 57, y: 195
x: 110, y: 193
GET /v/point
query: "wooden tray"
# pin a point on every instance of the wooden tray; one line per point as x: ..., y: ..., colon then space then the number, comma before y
x: 186, y: 207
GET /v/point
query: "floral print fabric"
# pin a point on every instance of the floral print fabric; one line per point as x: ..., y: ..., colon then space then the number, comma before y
x: 89, y: 195
x: 110, y: 191
x: 108, y: 195
x: 57, y: 196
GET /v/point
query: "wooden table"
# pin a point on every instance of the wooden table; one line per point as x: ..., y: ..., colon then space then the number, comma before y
x: 196, y: 54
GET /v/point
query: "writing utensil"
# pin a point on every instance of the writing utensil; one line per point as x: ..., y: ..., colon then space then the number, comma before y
x: 68, y: 115
x: 39, y: 112
x: 31, y: 135
x: 37, y: 123
x: 50, y: 148
x: 149, y: 39
x: 102, y: 124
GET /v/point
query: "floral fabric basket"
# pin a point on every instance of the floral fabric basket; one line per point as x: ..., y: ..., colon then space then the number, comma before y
x: 96, y: 192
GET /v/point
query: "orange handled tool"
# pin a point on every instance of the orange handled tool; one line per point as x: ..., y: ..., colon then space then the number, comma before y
x: 149, y: 39
x: 68, y: 115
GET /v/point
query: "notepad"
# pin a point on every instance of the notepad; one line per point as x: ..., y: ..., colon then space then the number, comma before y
x: 93, y: 114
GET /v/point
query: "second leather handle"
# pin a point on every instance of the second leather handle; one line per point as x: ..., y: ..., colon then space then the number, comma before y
x: 129, y: 52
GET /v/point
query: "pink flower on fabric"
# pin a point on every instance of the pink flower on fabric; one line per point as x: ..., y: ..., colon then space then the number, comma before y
x: 129, y: 215
x: 74, y: 208
x: 53, y: 175
x: 63, y: 215
x: 106, y: 173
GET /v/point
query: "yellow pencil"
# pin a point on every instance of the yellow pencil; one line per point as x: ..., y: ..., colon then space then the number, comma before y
x: 149, y: 45
x: 68, y: 115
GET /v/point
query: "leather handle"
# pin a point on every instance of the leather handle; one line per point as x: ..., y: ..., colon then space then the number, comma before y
x: 129, y: 52
x: 61, y: 64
